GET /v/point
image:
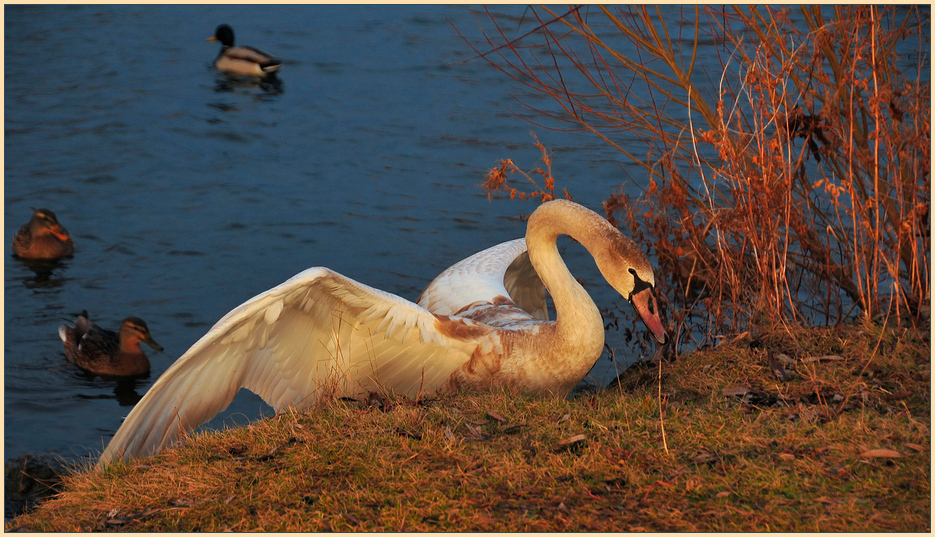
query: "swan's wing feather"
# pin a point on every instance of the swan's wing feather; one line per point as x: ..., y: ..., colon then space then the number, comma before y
x: 487, y: 277
x: 315, y: 335
x: 525, y: 288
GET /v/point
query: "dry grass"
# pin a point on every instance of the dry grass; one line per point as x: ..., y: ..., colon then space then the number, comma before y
x: 742, y: 451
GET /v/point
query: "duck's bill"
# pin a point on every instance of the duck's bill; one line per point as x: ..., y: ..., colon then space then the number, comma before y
x: 152, y: 343
x: 59, y: 234
x: 645, y: 304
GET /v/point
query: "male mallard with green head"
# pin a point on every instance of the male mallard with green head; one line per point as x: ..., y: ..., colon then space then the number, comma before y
x: 107, y: 353
x: 43, y: 238
x: 242, y: 61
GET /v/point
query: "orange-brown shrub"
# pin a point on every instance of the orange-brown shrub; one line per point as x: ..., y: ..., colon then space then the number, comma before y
x: 787, y: 174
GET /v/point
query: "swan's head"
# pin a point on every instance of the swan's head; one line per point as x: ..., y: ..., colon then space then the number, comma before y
x: 629, y: 271
x: 620, y: 260
x: 643, y: 298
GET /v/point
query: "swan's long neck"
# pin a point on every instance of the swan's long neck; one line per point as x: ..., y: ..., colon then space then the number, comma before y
x: 579, y: 333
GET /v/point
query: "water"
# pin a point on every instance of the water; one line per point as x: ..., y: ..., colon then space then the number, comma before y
x: 187, y: 196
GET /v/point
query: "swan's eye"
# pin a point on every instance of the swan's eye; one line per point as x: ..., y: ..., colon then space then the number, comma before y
x: 632, y: 271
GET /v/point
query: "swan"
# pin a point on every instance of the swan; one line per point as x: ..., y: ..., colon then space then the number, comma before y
x: 241, y: 61
x: 480, y: 324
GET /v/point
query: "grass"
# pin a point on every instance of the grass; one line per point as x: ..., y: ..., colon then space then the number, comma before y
x: 714, y: 443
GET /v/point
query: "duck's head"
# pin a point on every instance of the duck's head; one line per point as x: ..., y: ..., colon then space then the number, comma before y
x: 133, y: 331
x: 44, y: 222
x: 224, y: 34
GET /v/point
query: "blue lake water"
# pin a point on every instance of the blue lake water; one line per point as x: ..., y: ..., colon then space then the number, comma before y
x: 187, y: 195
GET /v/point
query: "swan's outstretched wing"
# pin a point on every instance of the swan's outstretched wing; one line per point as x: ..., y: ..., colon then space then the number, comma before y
x: 487, y: 277
x: 315, y: 335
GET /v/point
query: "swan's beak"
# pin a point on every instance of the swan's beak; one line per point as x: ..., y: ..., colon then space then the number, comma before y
x: 645, y: 304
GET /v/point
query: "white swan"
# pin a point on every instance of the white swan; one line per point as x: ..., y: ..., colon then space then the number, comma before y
x: 481, y: 323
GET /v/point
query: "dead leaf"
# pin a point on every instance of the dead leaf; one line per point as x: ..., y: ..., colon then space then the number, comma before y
x: 881, y: 454
x: 572, y: 440
x: 736, y: 391
x: 787, y: 456
x: 915, y: 447
x: 407, y: 434
x: 722, y: 494
x: 475, y: 431
x: 571, y: 443
x: 828, y: 358
x: 496, y: 416
x: 114, y: 520
x: 703, y: 457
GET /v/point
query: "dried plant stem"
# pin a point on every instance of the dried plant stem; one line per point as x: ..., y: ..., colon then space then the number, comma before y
x: 662, y: 421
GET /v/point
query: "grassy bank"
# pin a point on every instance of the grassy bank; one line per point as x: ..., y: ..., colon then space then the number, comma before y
x: 717, y: 443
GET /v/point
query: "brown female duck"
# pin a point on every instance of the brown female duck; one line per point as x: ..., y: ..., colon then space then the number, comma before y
x: 43, y: 238
x: 107, y: 353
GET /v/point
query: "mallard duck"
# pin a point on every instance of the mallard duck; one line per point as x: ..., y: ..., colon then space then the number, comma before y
x: 107, y: 353
x: 241, y: 61
x: 481, y: 324
x: 43, y: 238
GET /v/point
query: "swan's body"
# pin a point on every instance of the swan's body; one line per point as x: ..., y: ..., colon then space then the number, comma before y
x: 321, y: 334
x: 43, y: 238
x: 107, y: 353
x: 241, y: 61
